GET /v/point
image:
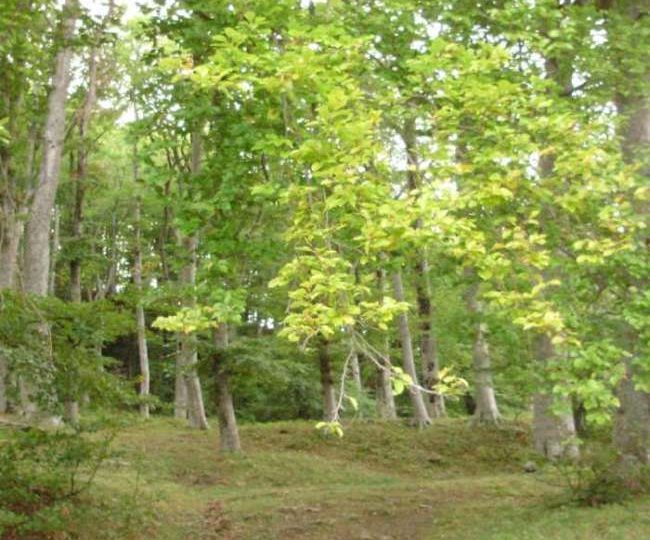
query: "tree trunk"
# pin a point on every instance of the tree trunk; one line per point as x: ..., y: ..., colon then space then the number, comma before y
x: 384, y: 388
x: 632, y: 420
x: 9, y: 246
x: 180, y: 388
x: 553, y: 434
x: 188, y: 352
x: 384, y: 392
x: 228, y: 431
x: 3, y: 384
x: 143, y: 350
x: 435, y: 403
x: 486, y: 410
x: 54, y: 250
x: 37, y: 233
x: 355, y: 372
x: 327, y: 383
x: 420, y: 413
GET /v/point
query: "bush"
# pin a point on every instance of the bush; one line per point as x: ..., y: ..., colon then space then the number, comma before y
x: 41, y: 474
x: 600, y: 477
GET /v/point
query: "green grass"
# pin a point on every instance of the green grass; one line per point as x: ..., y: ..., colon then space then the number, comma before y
x: 380, y: 482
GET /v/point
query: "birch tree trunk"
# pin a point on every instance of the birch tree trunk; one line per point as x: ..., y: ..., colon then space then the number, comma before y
x: 228, y: 431
x: 327, y: 383
x: 420, y: 414
x: 486, y: 411
x: 553, y: 434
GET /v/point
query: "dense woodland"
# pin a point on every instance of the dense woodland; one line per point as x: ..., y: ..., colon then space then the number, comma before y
x: 341, y: 211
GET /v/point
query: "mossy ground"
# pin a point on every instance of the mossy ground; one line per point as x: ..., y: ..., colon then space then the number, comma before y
x: 380, y: 481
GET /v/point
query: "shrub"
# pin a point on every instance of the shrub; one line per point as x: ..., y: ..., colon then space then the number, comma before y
x: 600, y: 477
x: 41, y: 474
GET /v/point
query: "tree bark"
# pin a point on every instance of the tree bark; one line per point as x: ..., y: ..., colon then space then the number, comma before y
x: 421, y: 416
x: 143, y: 350
x: 486, y: 410
x: 553, y: 434
x: 180, y: 388
x: 3, y: 384
x: 355, y: 372
x: 384, y: 388
x: 54, y: 250
x: 9, y: 246
x: 228, y: 431
x: 327, y: 383
x: 37, y: 233
x: 632, y: 420
x: 435, y: 403
x: 188, y: 352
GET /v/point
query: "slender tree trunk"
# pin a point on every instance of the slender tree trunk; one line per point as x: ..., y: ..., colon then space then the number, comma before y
x: 327, y: 382
x: 228, y: 431
x: 384, y: 388
x: 435, y: 403
x: 143, y: 350
x: 54, y: 250
x: 37, y: 233
x: 420, y: 413
x: 486, y: 411
x: 355, y: 372
x: 180, y: 388
x: 80, y: 178
x: 553, y: 434
x: 4, y: 374
x: 9, y: 247
x: 385, y: 399
x: 189, y: 357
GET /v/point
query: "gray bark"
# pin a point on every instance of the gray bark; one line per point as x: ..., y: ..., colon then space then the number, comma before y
x: 385, y: 399
x: 355, y: 372
x: 327, y: 383
x: 180, y: 388
x: 188, y: 351
x: 384, y: 388
x: 228, y: 431
x: 553, y: 434
x: 435, y: 403
x: 421, y: 416
x: 3, y: 385
x: 54, y: 250
x: 632, y: 420
x: 37, y: 232
x: 487, y: 411
x: 9, y: 246
x: 143, y: 350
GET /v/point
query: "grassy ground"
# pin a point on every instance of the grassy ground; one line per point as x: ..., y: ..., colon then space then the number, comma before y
x: 379, y: 482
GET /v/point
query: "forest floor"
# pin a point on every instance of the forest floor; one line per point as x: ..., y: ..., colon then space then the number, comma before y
x: 379, y: 482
